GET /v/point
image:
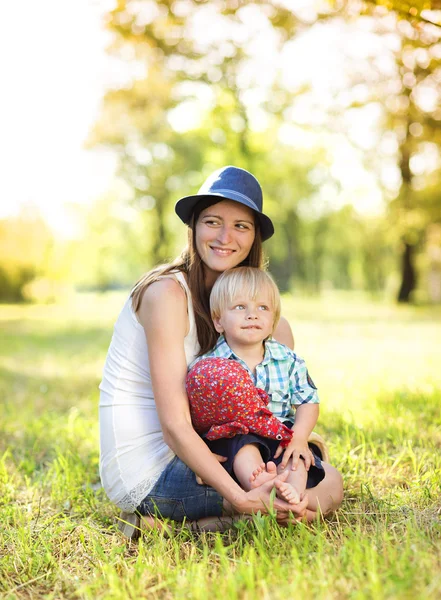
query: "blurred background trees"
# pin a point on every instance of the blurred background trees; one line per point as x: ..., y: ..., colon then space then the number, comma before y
x: 25, y: 244
x: 348, y: 155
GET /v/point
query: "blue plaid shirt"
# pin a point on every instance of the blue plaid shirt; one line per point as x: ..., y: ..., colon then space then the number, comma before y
x: 282, y: 374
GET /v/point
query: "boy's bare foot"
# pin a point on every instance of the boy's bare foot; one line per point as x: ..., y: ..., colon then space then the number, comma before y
x: 287, y: 492
x: 263, y: 474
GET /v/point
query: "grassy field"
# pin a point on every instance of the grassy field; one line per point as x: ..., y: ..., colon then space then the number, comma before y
x: 379, y: 376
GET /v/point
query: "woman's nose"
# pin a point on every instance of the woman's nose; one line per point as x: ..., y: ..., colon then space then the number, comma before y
x: 224, y: 235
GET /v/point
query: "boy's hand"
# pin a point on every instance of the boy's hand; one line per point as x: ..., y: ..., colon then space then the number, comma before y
x: 298, y: 447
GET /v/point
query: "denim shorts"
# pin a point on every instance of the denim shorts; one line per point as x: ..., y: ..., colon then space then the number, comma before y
x: 177, y: 496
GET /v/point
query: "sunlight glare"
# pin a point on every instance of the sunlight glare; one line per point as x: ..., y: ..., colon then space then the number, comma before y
x: 52, y: 90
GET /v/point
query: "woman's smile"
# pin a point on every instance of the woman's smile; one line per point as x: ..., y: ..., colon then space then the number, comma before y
x: 222, y: 251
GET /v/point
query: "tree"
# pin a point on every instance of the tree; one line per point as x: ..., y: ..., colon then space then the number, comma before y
x: 410, y: 97
x: 25, y: 248
x: 415, y: 117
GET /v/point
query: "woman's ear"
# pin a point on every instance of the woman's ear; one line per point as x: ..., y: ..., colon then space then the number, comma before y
x: 218, y: 325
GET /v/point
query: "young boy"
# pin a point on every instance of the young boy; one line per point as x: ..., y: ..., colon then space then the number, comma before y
x: 230, y: 386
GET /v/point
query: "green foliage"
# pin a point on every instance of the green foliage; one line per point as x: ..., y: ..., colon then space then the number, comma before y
x: 25, y: 244
x: 413, y: 10
x: 113, y: 252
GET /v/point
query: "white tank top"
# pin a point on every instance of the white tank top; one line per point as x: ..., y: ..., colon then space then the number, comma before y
x: 133, y: 452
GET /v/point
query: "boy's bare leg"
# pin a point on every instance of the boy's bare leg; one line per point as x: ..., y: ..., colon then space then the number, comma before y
x: 293, y: 488
x: 249, y: 468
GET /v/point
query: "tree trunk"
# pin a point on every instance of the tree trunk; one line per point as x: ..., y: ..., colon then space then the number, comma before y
x: 408, y: 276
x: 159, y: 246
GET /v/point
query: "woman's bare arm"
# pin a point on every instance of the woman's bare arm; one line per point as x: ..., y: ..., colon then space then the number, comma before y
x: 163, y: 314
x: 283, y: 333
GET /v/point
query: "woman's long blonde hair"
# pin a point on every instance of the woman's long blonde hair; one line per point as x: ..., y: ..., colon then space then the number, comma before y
x: 190, y: 263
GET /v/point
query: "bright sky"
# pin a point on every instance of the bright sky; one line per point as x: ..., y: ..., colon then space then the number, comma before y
x: 53, y: 76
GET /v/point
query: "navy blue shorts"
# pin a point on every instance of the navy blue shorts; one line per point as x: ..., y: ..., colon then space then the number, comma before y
x: 229, y: 447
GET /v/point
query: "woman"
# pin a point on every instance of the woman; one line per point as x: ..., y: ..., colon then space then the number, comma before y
x: 150, y: 452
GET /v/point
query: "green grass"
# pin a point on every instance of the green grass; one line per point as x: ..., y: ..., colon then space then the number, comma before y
x: 378, y: 372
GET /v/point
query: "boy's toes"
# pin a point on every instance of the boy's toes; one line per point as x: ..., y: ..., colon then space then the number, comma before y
x: 288, y: 493
x: 257, y: 472
x: 271, y: 467
x: 292, y: 497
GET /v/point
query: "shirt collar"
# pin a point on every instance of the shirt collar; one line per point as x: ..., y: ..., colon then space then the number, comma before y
x: 273, y: 350
x: 222, y: 349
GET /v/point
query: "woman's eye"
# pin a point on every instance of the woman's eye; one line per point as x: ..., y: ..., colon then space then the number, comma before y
x: 211, y: 222
x: 243, y: 226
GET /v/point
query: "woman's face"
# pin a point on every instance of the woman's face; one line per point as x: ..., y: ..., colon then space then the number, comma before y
x: 224, y: 235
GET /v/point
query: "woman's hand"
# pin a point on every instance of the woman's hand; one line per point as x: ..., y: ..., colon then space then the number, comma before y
x: 296, y: 512
x: 259, y: 499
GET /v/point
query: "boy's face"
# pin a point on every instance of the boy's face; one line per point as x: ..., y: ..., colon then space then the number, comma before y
x: 246, y: 321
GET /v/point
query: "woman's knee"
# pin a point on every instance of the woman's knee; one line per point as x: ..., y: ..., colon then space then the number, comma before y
x: 334, y: 483
x: 327, y: 496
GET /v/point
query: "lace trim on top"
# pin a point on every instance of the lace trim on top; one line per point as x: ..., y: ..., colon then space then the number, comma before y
x: 133, y: 499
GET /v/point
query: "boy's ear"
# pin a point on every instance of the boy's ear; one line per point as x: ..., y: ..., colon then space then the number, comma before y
x: 217, y: 325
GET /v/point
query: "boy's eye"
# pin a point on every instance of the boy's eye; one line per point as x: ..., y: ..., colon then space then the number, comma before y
x: 239, y: 307
x: 263, y: 307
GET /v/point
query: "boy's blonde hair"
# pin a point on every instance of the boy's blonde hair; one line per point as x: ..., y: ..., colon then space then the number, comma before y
x: 247, y: 281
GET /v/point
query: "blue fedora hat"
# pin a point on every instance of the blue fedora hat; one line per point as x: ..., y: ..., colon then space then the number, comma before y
x: 231, y: 183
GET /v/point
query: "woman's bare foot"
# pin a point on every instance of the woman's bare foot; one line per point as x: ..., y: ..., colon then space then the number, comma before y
x: 262, y: 474
x: 287, y: 492
x: 204, y: 525
x: 149, y: 523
